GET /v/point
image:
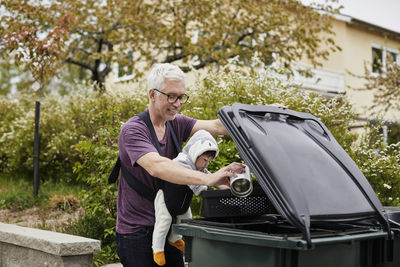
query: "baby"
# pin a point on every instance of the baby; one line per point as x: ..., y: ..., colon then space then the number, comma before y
x: 197, y: 154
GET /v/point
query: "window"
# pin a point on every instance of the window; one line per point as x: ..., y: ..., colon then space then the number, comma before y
x: 393, y: 133
x: 325, y: 81
x: 381, y: 56
x: 392, y: 56
x: 377, y: 60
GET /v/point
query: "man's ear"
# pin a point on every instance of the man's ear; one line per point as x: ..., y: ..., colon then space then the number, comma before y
x: 152, y: 95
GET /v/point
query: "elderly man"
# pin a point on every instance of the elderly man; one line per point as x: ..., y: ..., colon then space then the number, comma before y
x: 147, y: 158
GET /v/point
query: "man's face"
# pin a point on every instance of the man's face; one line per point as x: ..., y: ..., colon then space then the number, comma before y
x: 203, y: 161
x: 169, y: 110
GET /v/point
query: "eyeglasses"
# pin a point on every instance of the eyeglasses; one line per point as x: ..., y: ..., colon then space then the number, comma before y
x: 173, y: 98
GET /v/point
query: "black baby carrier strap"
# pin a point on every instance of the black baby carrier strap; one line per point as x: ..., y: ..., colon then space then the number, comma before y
x: 177, y: 197
x: 130, y: 179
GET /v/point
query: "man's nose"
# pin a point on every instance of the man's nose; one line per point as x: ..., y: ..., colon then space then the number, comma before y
x: 177, y: 104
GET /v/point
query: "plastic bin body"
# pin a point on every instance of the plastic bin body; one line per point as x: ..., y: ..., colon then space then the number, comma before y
x: 396, y: 251
x: 206, y: 252
x: 218, y: 247
x: 394, y: 215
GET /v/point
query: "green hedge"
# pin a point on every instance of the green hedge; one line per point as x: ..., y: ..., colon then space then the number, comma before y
x: 65, y: 121
x: 380, y: 163
x: 97, y: 157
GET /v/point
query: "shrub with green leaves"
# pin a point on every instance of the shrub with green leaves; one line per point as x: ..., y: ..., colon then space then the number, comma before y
x: 98, y: 154
x: 14, y: 144
x: 265, y: 88
x: 60, y: 130
x: 380, y: 163
x: 64, y: 122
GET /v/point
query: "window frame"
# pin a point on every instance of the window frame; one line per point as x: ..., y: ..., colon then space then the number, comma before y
x: 325, y: 81
x: 385, y: 50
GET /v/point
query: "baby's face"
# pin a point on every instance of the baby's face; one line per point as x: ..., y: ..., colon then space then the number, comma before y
x: 202, y: 162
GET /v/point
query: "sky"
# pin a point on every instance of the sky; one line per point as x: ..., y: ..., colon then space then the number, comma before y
x: 384, y: 13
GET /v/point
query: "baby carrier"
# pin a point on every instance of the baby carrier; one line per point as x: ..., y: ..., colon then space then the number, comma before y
x: 177, y: 197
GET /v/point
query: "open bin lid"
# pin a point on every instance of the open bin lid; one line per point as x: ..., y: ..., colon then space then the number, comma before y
x: 303, y: 170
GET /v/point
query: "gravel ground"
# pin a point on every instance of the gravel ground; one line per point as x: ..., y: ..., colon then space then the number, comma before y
x: 36, y: 218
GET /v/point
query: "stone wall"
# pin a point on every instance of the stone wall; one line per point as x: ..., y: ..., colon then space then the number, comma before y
x: 28, y: 247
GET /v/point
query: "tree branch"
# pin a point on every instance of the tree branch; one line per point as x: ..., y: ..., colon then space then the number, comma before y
x: 80, y: 64
x: 203, y: 63
x: 174, y: 57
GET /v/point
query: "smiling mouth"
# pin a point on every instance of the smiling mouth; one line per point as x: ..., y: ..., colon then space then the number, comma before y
x: 173, y: 110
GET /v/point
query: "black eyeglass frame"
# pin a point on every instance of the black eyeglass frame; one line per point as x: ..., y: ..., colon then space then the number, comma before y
x: 173, y: 98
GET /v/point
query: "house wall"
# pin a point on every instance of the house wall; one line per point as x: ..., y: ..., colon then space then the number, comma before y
x: 356, y: 43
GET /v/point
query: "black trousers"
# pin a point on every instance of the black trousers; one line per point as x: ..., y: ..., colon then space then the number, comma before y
x: 134, y: 250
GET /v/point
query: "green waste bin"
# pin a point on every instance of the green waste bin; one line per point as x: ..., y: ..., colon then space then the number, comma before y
x: 213, y: 246
x: 268, y: 240
x: 327, y: 214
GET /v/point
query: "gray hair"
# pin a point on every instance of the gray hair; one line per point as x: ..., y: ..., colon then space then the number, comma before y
x: 161, y: 71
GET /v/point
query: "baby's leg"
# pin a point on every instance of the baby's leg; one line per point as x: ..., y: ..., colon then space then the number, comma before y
x: 176, y: 239
x: 161, y: 227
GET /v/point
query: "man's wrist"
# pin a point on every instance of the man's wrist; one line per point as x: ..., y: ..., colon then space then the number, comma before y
x: 206, y: 179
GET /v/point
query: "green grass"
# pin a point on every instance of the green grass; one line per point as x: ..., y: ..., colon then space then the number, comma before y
x: 17, y: 194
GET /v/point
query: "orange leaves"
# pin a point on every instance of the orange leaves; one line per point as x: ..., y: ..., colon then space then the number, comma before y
x: 38, y: 48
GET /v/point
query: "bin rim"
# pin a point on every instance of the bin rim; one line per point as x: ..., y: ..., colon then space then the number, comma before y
x: 261, y: 239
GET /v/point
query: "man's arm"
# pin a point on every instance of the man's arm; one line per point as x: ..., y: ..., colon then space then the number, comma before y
x: 166, y: 169
x: 214, y: 127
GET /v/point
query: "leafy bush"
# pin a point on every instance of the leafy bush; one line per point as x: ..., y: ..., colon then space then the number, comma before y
x: 59, y: 133
x: 14, y: 144
x: 380, y: 163
x: 64, y: 122
x: 98, y: 154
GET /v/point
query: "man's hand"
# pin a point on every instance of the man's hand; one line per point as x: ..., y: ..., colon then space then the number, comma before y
x: 223, y: 187
x: 221, y: 178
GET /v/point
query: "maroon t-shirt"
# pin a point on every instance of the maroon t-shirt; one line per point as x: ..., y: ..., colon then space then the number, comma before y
x: 133, y: 210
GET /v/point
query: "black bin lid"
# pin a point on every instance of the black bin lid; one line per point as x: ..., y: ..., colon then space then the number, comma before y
x: 303, y: 170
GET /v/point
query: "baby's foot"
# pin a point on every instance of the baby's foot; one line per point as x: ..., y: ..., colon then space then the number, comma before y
x: 159, y: 258
x: 179, y: 244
